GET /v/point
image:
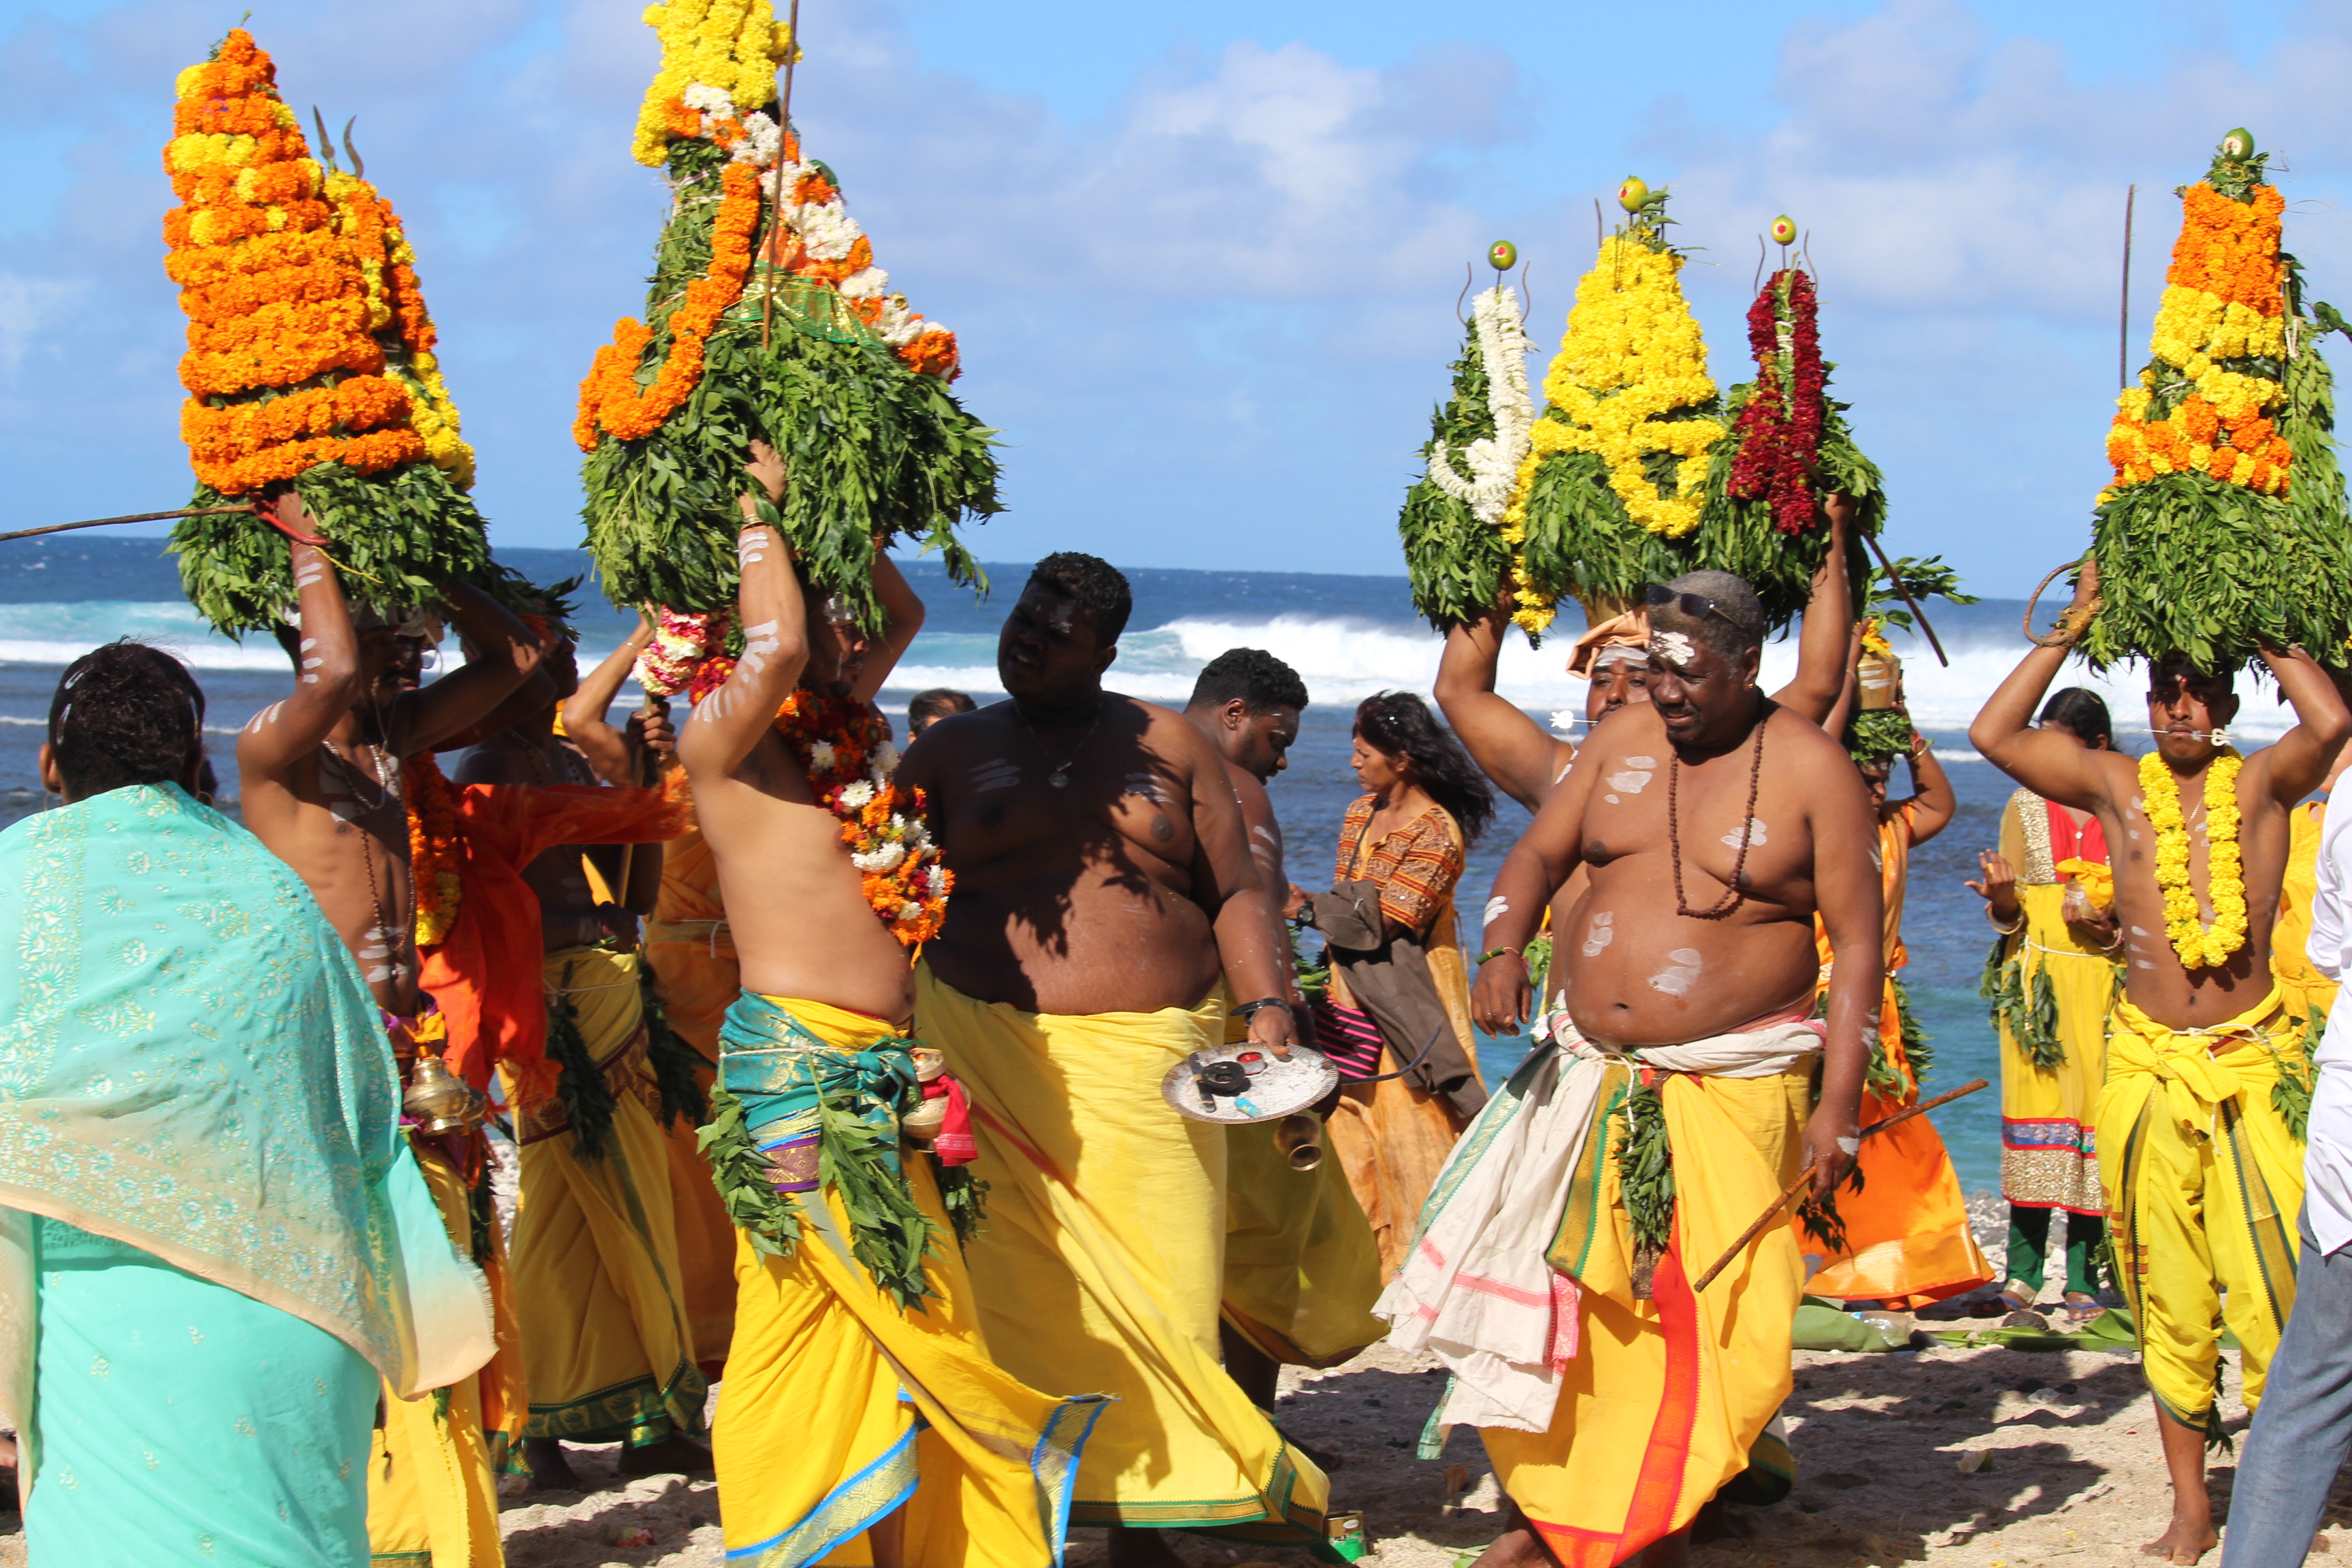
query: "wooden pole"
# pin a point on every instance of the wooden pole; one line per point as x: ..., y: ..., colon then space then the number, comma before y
x: 2123, y: 331
x: 134, y: 516
x: 1765, y: 1219
x: 1871, y: 540
x: 776, y: 202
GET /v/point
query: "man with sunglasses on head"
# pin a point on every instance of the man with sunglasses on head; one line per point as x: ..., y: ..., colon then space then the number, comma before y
x: 1527, y: 761
x: 1712, y: 825
x: 2203, y: 1172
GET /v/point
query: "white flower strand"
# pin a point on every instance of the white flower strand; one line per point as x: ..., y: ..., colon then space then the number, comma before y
x: 1493, y: 460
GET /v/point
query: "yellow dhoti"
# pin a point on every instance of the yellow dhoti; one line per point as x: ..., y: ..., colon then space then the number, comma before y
x: 434, y: 1463
x: 1610, y: 1419
x: 1302, y: 1270
x: 841, y: 1408
x: 1100, y: 1263
x: 2204, y: 1180
x: 607, y: 1351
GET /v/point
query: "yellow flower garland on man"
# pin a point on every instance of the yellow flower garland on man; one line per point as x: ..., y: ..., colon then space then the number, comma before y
x: 2199, y: 946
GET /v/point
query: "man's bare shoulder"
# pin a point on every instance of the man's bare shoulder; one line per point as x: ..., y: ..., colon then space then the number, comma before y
x: 490, y: 764
x: 1794, y: 737
x: 1258, y: 804
x: 1167, y: 734
x: 1636, y: 724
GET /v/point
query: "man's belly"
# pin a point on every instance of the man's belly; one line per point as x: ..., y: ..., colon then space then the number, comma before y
x: 1092, y: 948
x: 1663, y: 980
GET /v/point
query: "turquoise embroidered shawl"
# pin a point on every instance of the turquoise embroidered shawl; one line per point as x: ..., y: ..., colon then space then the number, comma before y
x: 190, y: 1063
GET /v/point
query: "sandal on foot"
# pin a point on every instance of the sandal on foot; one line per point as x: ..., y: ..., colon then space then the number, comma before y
x: 2081, y: 1309
x: 2010, y: 1298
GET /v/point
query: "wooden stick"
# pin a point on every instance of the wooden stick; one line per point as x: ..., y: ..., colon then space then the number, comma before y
x: 2122, y: 331
x: 776, y: 202
x: 1765, y: 1219
x: 640, y: 767
x: 1913, y: 604
x: 134, y: 516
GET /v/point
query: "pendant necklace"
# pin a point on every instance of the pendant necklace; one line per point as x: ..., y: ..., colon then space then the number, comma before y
x: 1060, y: 777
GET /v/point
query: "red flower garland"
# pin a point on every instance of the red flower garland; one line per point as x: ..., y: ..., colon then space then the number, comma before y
x: 1779, y: 430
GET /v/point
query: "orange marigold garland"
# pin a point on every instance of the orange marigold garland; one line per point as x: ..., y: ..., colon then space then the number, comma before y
x: 767, y: 320
x: 2224, y: 527
x: 287, y: 376
x: 436, y: 846
x: 845, y: 748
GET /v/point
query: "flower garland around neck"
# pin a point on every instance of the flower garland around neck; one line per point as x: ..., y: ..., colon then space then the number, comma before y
x: 2199, y: 945
x: 436, y: 846
x: 845, y: 749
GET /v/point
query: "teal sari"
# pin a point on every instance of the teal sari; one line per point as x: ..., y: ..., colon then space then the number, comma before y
x: 197, y: 1095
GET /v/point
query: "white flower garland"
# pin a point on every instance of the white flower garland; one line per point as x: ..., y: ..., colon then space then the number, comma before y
x: 1493, y: 460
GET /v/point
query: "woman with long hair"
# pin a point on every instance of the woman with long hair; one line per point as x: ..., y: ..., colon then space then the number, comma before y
x: 2050, y: 980
x: 1399, y: 1000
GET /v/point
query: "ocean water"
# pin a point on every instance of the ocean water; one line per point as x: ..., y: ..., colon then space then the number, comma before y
x: 1348, y: 637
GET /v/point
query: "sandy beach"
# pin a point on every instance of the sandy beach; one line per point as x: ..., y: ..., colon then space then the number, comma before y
x: 2073, y: 1475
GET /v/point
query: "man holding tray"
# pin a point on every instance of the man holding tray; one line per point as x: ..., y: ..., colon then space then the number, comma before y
x: 1614, y: 1398
x: 2204, y: 1174
x: 1104, y: 886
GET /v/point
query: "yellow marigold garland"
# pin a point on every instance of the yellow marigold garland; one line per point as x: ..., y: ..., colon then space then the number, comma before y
x: 2222, y: 300
x: 436, y: 846
x: 734, y: 46
x: 366, y: 222
x: 1632, y: 356
x: 2199, y: 946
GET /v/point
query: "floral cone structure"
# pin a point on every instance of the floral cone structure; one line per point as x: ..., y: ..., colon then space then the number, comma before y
x: 309, y: 361
x: 1452, y: 523
x: 767, y: 320
x: 1613, y: 483
x: 2225, y: 528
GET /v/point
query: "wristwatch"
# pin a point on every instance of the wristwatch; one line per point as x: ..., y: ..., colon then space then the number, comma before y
x: 1249, y: 1010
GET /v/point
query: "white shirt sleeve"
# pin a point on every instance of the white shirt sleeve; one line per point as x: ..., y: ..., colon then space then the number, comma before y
x: 2331, y: 921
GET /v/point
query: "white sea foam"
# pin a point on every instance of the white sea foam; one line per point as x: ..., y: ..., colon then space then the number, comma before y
x: 1342, y: 659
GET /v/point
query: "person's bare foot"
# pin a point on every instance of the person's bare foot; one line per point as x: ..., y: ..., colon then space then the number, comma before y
x: 1134, y: 1548
x: 676, y: 1455
x: 549, y: 1470
x: 2185, y: 1540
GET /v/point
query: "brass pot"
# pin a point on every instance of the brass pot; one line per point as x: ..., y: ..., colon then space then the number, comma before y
x: 1879, y: 679
x: 1299, y: 1137
x: 921, y: 1125
x: 440, y: 1101
x: 929, y: 1065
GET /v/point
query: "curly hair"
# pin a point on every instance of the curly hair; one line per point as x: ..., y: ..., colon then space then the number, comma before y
x: 1262, y: 682
x: 1100, y: 588
x: 1399, y: 724
x: 126, y: 713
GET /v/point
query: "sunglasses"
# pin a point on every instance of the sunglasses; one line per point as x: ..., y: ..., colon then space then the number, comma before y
x: 1697, y: 607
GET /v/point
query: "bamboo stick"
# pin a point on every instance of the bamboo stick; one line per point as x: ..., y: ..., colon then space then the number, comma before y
x: 134, y: 516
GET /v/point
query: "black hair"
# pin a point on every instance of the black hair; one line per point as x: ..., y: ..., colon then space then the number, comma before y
x: 1398, y: 723
x: 2083, y: 714
x: 1100, y: 588
x: 126, y: 713
x: 2180, y: 667
x: 1262, y: 682
x: 1734, y: 628
x: 937, y: 703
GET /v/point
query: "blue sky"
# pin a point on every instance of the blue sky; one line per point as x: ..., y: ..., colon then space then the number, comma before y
x: 1204, y: 259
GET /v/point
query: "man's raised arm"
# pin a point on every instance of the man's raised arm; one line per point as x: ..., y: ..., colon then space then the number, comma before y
x: 2052, y: 766
x: 1932, y: 802
x: 1537, y: 867
x: 902, y: 613
x: 610, y: 749
x: 1829, y: 620
x: 1517, y: 753
x: 775, y: 617
x: 501, y: 654
x: 2299, y: 762
x: 327, y: 660
x: 1846, y: 890
x: 1250, y: 943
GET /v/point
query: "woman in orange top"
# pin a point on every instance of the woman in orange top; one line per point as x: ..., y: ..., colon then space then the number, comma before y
x: 1399, y: 993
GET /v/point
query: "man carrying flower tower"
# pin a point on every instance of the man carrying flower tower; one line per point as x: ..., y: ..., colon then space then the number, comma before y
x: 2198, y: 1125
x: 860, y: 1399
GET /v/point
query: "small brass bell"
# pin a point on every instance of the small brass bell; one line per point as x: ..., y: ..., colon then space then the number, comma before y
x: 440, y: 1101
x: 921, y: 1125
x: 1300, y: 1138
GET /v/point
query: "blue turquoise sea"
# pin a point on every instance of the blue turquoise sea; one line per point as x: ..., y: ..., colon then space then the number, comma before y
x: 1348, y: 635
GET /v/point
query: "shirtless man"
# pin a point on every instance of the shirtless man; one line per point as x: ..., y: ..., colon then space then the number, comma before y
x: 1527, y: 762
x: 1103, y: 886
x: 318, y: 773
x: 1714, y: 824
x: 2191, y: 1211
x: 1289, y: 1232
